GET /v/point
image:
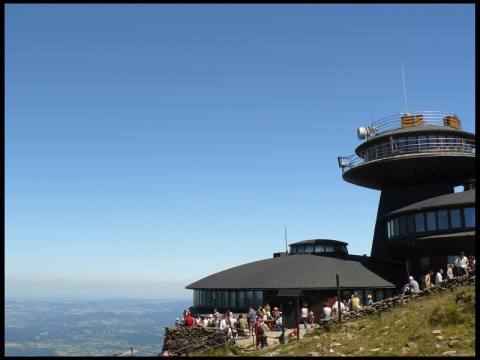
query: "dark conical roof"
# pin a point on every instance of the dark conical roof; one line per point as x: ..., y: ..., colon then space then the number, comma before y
x: 307, y: 271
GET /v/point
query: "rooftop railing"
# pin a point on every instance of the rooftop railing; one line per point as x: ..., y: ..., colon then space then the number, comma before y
x: 408, y: 120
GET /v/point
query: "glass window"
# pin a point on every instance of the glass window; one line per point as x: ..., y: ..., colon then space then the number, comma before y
x: 378, y: 295
x: 258, y: 299
x: 401, y: 144
x: 389, y: 293
x: 241, y: 300
x: 329, y: 248
x: 410, y: 224
x: 293, y: 250
x: 431, y: 221
x: 319, y: 248
x: 403, y: 225
x: 432, y: 142
x: 309, y: 248
x: 249, y: 300
x: 412, y: 143
x: 212, y: 298
x: 300, y: 249
x: 469, y: 214
x: 389, y: 230
x: 424, y: 264
x: 455, y: 219
x: 232, y: 299
x: 442, y: 219
x: 396, y: 227
x: 422, y: 140
x: 225, y: 299
x: 218, y: 298
x: 419, y: 222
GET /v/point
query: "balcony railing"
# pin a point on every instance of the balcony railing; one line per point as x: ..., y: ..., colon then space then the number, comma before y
x: 404, y: 146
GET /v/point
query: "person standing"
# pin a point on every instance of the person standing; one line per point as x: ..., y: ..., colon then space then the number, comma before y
x: 305, y: 315
x: 252, y: 315
x: 356, y: 302
x: 461, y: 263
x: 369, y: 301
x: 337, y: 307
x: 189, y: 321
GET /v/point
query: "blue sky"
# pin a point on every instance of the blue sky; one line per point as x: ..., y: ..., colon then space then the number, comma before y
x: 149, y: 146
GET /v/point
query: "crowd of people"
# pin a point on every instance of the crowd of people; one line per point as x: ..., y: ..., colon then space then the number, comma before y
x: 254, y: 321
x: 251, y: 323
x: 463, y: 265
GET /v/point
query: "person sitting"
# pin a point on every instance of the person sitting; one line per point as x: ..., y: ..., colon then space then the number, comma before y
x: 327, y: 312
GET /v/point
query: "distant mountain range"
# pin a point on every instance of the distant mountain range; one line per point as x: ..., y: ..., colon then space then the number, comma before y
x: 88, y: 327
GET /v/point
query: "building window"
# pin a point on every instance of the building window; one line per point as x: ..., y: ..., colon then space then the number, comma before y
x: 329, y: 248
x: 319, y: 248
x: 396, y: 230
x: 431, y: 221
x: 455, y: 219
x: 241, y: 300
x: 442, y: 219
x: 232, y: 299
x: 469, y: 214
x: 300, y: 249
x: 422, y: 140
x: 410, y: 224
x: 403, y: 225
x: 218, y: 299
x: 401, y: 145
x: 249, y: 300
x: 309, y: 248
x: 419, y: 222
x: 432, y: 142
x: 378, y: 295
x: 258, y: 299
x: 424, y: 264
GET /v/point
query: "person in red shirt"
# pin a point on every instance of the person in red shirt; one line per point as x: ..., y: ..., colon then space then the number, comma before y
x: 189, y: 321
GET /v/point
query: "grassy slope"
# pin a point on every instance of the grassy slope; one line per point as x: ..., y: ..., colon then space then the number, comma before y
x: 408, y: 330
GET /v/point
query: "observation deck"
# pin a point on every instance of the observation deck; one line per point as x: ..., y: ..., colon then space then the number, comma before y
x: 409, y: 149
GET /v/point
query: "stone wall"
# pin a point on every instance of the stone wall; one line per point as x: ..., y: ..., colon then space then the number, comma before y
x: 185, y: 341
x: 188, y: 340
x: 379, y: 306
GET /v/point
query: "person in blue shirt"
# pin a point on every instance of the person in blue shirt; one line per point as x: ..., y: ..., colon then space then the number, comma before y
x: 369, y: 301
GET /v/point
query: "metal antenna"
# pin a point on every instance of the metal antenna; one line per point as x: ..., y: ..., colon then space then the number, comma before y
x: 404, y: 92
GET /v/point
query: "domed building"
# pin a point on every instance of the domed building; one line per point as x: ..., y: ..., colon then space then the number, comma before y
x: 416, y: 161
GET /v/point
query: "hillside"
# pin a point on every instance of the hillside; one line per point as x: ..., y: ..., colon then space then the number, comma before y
x: 437, y: 324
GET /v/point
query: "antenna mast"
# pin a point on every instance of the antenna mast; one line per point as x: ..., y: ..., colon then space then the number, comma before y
x: 404, y: 92
x: 286, y: 248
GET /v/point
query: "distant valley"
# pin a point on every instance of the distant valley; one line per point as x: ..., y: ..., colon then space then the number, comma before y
x: 88, y: 327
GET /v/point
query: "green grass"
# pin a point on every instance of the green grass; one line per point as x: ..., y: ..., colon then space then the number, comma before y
x: 409, y: 330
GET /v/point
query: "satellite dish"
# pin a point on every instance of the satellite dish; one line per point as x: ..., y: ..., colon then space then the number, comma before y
x: 361, y: 133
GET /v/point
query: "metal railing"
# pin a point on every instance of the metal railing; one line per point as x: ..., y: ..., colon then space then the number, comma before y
x: 407, y: 146
x: 417, y: 118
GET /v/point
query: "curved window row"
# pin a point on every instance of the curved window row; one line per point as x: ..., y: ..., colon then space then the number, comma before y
x: 438, y: 221
x: 228, y: 299
x: 418, y: 143
x: 318, y: 248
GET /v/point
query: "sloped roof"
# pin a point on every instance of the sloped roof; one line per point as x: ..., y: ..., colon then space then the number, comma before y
x: 307, y: 271
x: 453, y: 199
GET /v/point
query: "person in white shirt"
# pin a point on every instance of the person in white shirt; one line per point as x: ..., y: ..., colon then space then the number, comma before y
x: 224, y: 325
x: 305, y: 316
x: 461, y: 263
x: 439, y: 277
x: 335, y: 308
x: 327, y: 311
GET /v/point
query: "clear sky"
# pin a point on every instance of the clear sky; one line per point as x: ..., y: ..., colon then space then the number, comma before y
x: 149, y: 146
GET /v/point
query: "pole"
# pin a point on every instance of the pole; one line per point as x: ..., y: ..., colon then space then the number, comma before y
x: 339, y: 300
x: 286, y: 248
x: 404, y: 92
